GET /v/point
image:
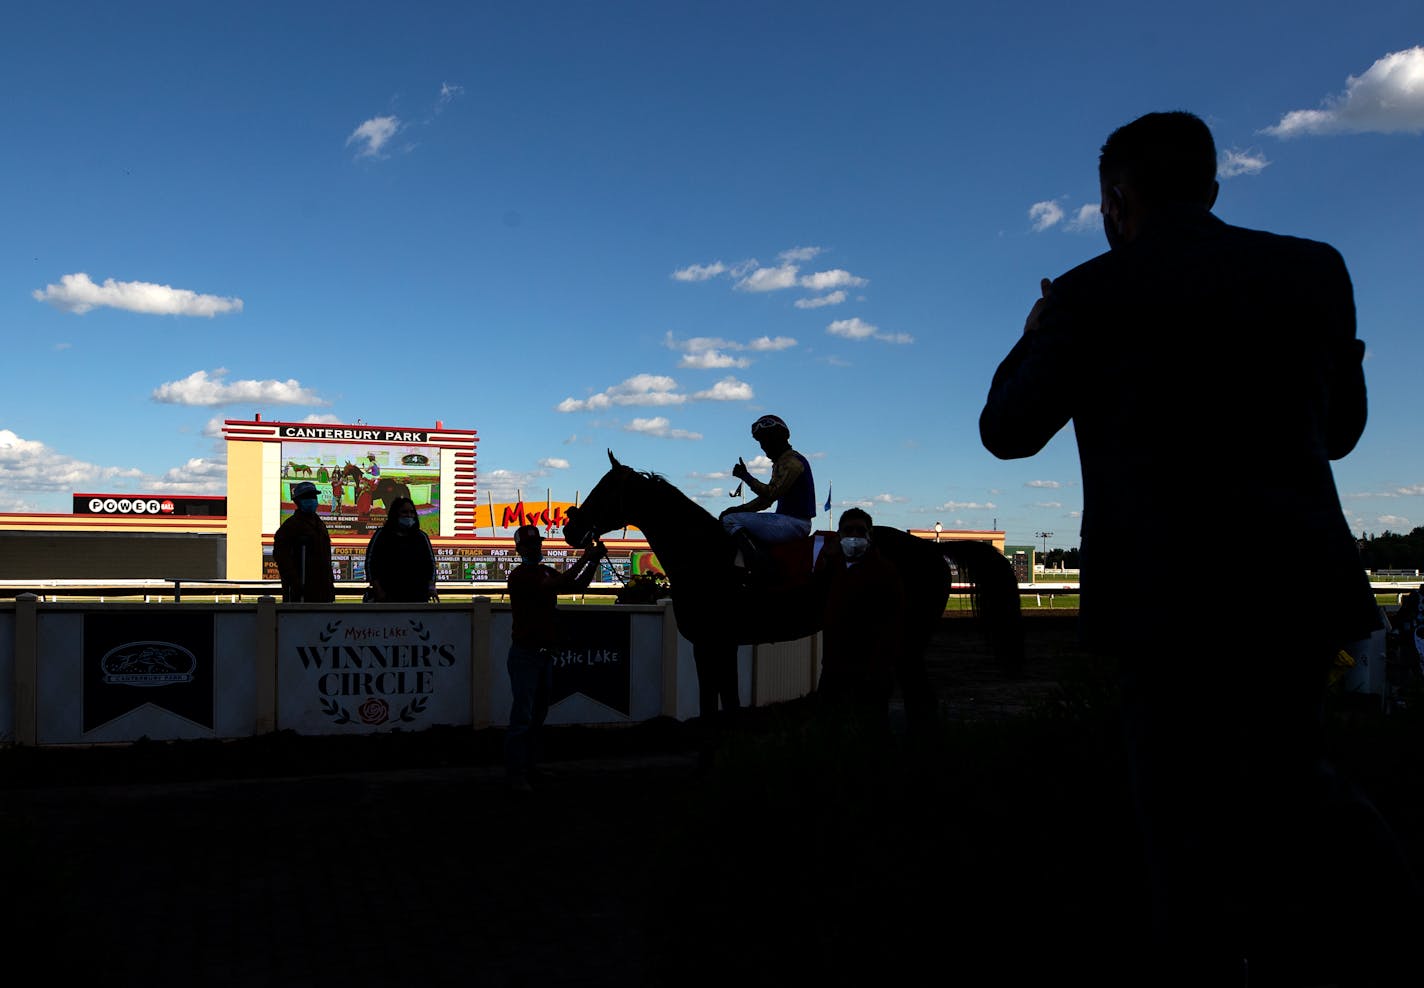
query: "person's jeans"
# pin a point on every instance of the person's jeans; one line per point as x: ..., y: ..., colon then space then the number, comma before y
x: 531, y: 676
x: 767, y: 526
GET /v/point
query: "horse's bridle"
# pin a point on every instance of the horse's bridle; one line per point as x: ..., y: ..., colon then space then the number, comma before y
x: 618, y: 501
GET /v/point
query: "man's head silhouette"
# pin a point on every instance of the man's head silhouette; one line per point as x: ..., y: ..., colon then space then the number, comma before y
x: 1156, y: 161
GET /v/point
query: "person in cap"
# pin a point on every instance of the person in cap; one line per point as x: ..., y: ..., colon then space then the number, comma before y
x: 537, y: 632
x: 302, y: 551
x: 791, y: 489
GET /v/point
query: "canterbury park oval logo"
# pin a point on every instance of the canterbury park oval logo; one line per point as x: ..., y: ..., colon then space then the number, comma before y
x: 148, y: 663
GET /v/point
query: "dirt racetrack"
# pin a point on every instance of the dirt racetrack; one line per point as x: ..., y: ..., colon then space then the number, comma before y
x: 783, y: 851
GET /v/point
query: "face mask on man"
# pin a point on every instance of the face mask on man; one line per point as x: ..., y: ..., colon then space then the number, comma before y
x: 407, y: 522
x: 854, y: 547
x: 308, y: 504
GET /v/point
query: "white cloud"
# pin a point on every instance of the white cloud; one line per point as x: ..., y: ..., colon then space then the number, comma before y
x: 769, y: 343
x: 1047, y: 504
x: 708, y: 352
x: 641, y: 389
x: 859, y: 329
x: 30, y: 466
x: 799, y: 254
x: 1045, y: 214
x: 965, y: 506
x: 759, y: 463
x: 200, y: 475
x: 1044, y: 483
x: 659, y: 427
x: 1395, y: 522
x: 699, y: 272
x: 727, y: 389
x: 1387, y: 99
x: 372, y: 135
x: 213, y: 429
x: 834, y: 298
x: 64, y: 346
x: 712, y: 360
x: 699, y: 343
x: 78, y: 294
x: 448, y: 92
x: 835, y: 278
x: 554, y: 463
x: 1087, y: 219
x: 200, y: 389
x: 1232, y: 162
x: 852, y: 329
x: 769, y: 279
x: 507, y: 485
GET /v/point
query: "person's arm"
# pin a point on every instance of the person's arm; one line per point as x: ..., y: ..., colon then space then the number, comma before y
x: 1348, y: 406
x: 1025, y: 406
x: 373, y: 565
x: 784, y: 473
x: 283, y: 557
x: 430, y: 552
x: 578, y: 576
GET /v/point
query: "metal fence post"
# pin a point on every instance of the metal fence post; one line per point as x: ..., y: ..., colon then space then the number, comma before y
x: 26, y: 668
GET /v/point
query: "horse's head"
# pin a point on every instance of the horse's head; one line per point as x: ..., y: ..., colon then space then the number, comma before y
x: 603, y: 510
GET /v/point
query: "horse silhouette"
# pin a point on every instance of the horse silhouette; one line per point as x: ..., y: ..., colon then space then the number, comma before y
x: 298, y: 469
x: 717, y: 614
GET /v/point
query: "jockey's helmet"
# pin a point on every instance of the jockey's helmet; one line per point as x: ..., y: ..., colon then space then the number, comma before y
x: 527, y: 535
x: 770, y: 425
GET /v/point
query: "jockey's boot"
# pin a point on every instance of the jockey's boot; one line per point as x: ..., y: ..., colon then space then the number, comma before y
x: 756, y: 564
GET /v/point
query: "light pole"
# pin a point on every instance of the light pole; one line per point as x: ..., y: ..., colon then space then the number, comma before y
x: 1045, y: 536
x: 938, y: 528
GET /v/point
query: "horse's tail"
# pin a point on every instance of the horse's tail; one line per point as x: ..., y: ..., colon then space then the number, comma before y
x: 994, y: 592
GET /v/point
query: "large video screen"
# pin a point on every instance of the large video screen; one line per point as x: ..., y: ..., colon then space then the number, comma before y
x: 357, y: 482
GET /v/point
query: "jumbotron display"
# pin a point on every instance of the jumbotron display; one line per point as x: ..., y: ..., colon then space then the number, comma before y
x: 357, y: 482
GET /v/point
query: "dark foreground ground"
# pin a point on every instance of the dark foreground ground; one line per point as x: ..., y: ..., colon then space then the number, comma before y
x: 998, y: 850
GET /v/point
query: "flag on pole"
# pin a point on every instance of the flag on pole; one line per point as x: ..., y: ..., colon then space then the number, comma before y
x: 828, y: 498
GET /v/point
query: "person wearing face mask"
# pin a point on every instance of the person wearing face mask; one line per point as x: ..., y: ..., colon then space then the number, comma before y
x: 400, y: 562
x: 301, y: 549
x: 536, y: 633
x: 864, y: 609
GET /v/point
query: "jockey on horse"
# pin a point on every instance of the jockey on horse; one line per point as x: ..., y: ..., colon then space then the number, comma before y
x: 791, y: 488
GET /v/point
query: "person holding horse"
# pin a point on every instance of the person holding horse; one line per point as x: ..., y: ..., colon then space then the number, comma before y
x: 1207, y: 358
x: 791, y: 489
x: 534, y: 590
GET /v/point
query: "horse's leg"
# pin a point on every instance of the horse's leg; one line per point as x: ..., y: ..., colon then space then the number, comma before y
x: 921, y: 704
x: 716, y: 679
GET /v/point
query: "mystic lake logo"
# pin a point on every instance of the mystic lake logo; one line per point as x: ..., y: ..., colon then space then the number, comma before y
x: 147, y: 663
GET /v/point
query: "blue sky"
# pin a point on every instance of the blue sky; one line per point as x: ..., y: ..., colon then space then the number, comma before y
x: 638, y: 226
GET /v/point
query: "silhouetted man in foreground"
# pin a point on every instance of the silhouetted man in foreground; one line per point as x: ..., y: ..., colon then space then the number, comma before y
x: 1211, y: 374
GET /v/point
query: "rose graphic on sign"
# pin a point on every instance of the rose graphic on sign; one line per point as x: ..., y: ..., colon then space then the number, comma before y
x: 374, y: 711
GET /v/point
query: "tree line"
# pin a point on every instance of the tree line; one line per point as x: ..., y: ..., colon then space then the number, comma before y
x: 1390, y: 550
x: 1387, y: 550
